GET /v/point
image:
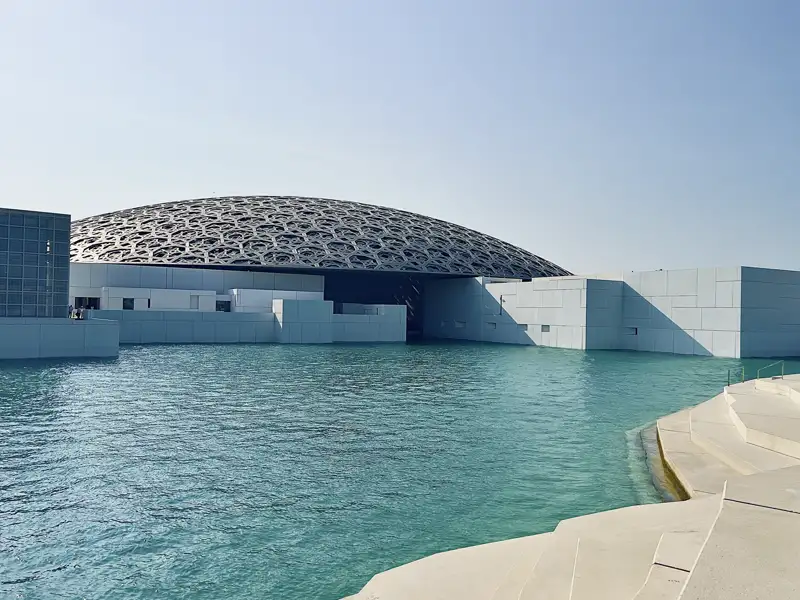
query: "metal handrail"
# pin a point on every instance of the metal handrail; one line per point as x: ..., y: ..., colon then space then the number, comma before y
x: 729, y: 376
x: 782, y: 363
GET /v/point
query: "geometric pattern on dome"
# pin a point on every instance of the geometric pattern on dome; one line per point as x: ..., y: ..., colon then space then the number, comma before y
x: 292, y: 232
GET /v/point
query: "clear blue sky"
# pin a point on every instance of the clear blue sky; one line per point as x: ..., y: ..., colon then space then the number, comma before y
x: 600, y: 134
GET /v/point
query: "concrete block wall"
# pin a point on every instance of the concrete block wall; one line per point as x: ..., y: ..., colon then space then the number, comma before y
x: 86, y: 279
x: 770, y: 312
x: 546, y: 312
x: 246, y: 300
x: 157, y: 299
x: 58, y: 338
x: 377, y: 323
x: 190, y: 327
x: 687, y: 311
x: 303, y: 321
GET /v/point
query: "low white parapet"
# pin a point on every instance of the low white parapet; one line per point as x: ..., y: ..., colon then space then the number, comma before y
x: 25, y: 337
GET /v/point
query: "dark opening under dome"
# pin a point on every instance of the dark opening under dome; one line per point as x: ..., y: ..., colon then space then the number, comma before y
x: 279, y: 232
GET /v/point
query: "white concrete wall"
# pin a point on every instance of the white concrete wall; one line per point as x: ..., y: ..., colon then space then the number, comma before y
x: 470, y: 309
x: 57, y: 338
x: 303, y: 321
x: 692, y: 311
x: 244, y: 300
x: 86, y: 279
x: 370, y: 323
x: 158, y: 299
x: 189, y: 327
x: 770, y: 301
x: 687, y: 311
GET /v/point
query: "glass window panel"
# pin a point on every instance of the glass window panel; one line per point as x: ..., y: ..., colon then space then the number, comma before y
x: 14, y: 298
x: 46, y: 222
x: 62, y: 223
x: 16, y: 233
x: 30, y: 285
x: 29, y: 310
x: 16, y: 218
x: 3, y: 298
x: 15, y: 271
x: 15, y: 245
x: 30, y: 272
x: 15, y: 258
x: 14, y: 310
x: 3, y: 271
x: 14, y: 285
x: 62, y: 237
x: 30, y: 259
x: 32, y: 246
x: 3, y: 217
x: 29, y: 297
x: 32, y: 233
x: 3, y: 283
x: 32, y: 220
x: 2, y: 310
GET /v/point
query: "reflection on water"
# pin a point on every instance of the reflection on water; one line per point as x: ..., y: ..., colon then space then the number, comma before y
x: 299, y: 471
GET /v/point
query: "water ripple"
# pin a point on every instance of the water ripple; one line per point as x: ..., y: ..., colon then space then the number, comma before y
x: 210, y: 472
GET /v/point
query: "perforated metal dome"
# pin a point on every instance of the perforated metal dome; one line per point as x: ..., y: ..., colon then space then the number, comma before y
x: 298, y: 233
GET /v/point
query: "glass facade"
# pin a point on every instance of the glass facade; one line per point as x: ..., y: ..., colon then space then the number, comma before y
x: 34, y: 263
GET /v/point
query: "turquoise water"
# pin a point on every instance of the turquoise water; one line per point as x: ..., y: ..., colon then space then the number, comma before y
x: 208, y: 472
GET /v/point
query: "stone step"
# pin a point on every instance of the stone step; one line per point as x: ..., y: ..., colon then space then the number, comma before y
x: 788, y: 386
x: 698, y: 471
x: 713, y: 429
x: 609, y: 556
x: 779, y: 434
x: 474, y: 573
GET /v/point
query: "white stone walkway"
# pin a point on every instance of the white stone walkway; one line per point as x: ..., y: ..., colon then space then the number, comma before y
x: 736, y: 457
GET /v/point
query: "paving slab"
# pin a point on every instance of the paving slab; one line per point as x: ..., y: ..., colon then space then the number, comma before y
x: 779, y: 489
x: 663, y: 583
x: 511, y: 587
x: 617, y: 547
x: 473, y: 573
x: 680, y: 549
x: 552, y: 577
x: 752, y: 554
x: 678, y: 421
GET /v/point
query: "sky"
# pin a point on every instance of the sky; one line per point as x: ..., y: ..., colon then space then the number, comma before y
x: 599, y: 134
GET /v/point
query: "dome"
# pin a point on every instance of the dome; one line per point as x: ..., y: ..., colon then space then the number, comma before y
x: 297, y: 233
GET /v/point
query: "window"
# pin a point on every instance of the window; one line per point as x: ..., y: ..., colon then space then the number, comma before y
x: 631, y: 331
x: 127, y: 304
x: 545, y: 328
x: 148, y: 303
x: 223, y: 306
x: 524, y: 327
x: 194, y: 301
x: 460, y: 324
x: 491, y: 325
x: 90, y: 303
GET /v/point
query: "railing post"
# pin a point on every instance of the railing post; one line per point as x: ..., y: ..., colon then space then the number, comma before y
x: 742, y: 374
